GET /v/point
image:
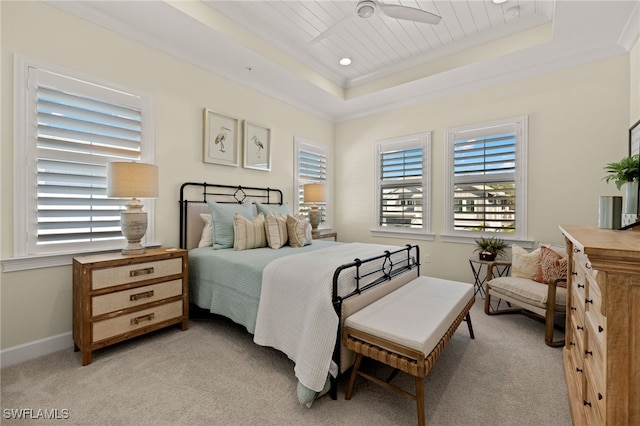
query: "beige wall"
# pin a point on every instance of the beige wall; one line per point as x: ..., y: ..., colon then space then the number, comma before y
x: 634, y: 77
x: 37, y: 304
x: 578, y: 121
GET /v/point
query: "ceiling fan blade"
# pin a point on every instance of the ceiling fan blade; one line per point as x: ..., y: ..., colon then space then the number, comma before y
x: 408, y: 13
x: 332, y: 29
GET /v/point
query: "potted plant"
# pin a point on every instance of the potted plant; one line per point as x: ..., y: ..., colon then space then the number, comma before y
x: 626, y: 171
x: 490, y: 248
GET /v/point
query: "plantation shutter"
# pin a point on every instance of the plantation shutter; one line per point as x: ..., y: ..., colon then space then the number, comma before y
x: 484, y: 183
x: 312, y: 168
x: 401, y: 187
x: 80, y: 127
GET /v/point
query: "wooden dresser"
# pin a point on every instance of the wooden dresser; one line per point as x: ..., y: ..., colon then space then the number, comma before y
x: 602, y: 349
x: 116, y: 296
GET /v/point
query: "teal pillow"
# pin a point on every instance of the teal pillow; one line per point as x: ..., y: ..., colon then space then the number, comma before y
x: 222, y: 218
x: 265, y: 209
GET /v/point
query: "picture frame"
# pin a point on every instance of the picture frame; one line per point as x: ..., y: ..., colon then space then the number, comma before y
x: 221, y: 139
x: 634, y: 149
x: 257, y: 146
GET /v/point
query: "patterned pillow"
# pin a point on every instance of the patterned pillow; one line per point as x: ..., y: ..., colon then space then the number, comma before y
x: 276, y: 230
x: 553, y: 266
x: 299, y: 231
x: 265, y: 209
x: 206, y: 239
x: 523, y: 263
x: 222, y: 215
x: 248, y: 234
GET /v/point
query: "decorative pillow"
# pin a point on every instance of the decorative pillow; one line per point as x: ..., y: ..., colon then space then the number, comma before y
x: 248, y: 234
x: 222, y: 215
x: 523, y: 263
x: 276, y: 230
x: 299, y: 231
x: 206, y: 239
x: 553, y: 266
x: 265, y: 209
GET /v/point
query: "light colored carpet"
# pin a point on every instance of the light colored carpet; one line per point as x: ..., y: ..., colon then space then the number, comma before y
x: 213, y: 374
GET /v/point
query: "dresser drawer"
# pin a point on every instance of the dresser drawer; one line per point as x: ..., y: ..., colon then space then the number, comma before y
x: 596, y: 330
x: 134, y: 297
x: 109, y: 277
x: 594, y: 399
x: 126, y: 323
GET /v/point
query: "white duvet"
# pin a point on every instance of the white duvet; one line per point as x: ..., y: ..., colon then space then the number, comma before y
x: 295, y: 314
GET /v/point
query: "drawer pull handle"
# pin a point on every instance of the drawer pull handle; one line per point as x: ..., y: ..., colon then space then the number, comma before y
x: 587, y: 265
x: 148, y: 317
x: 573, y: 308
x: 587, y: 403
x: 578, y: 370
x: 580, y: 285
x: 600, y: 396
x: 574, y: 273
x: 139, y: 296
x: 138, y: 272
x: 588, y: 301
x: 579, y: 327
x: 572, y: 343
x: 576, y: 250
x: 600, y: 329
x: 588, y: 353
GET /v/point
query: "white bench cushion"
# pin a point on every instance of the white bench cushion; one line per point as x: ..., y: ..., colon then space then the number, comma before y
x: 417, y: 314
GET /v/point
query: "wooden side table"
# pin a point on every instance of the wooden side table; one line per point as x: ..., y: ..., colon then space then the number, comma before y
x: 117, y: 297
x: 503, y: 267
x: 326, y: 236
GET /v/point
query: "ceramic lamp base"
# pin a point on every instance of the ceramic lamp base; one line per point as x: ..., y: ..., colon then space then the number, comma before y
x: 133, y: 223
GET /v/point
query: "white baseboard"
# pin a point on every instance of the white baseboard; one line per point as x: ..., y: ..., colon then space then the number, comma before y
x: 35, y: 349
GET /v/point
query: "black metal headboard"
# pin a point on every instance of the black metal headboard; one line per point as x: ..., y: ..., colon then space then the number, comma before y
x: 200, y: 193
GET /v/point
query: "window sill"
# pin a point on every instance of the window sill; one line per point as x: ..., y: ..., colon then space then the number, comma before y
x: 402, y: 234
x: 449, y: 238
x: 14, y: 264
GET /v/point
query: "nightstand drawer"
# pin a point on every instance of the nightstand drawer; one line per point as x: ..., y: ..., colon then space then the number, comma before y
x: 109, y: 277
x: 135, y: 297
x: 130, y: 322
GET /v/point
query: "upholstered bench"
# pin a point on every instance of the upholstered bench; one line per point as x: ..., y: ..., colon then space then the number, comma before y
x: 407, y: 329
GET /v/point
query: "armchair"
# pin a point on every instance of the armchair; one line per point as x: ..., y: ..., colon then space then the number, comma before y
x: 541, y: 298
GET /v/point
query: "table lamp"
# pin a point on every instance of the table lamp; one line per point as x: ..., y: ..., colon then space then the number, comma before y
x: 135, y: 180
x: 314, y: 193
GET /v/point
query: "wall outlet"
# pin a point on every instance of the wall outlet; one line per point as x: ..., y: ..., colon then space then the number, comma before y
x: 427, y: 258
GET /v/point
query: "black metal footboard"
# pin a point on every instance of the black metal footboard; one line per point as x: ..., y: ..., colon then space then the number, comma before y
x: 367, y: 275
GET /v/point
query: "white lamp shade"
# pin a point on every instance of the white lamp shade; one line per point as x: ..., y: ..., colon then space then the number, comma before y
x: 314, y: 193
x: 137, y: 180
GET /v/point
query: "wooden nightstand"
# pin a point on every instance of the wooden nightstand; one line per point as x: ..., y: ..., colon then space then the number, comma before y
x: 326, y: 236
x: 117, y: 297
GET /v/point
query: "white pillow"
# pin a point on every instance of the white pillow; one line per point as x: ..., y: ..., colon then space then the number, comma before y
x: 523, y: 263
x: 299, y: 231
x: 276, y: 230
x: 206, y: 239
x: 248, y: 234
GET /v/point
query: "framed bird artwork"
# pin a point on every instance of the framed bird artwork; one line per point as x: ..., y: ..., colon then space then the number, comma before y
x: 257, y: 146
x: 221, y: 139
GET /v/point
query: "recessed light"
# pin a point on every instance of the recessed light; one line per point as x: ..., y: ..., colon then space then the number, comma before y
x: 499, y: 1
x: 345, y: 61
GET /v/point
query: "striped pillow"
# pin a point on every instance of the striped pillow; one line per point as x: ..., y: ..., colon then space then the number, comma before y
x: 276, y: 230
x: 248, y: 234
x: 299, y: 231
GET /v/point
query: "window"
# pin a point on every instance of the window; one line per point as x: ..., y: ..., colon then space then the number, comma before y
x: 311, y: 167
x: 67, y: 129
x: 486, y: 179
x: 402, y: 185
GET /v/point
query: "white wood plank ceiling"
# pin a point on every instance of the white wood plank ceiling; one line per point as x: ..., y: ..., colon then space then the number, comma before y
x: 379, y: 45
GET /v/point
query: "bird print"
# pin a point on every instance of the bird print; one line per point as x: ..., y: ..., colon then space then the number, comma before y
x: 258, y: 144
x: 222, y: 136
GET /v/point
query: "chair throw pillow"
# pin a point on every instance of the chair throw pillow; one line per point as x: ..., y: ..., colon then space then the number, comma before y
x: 553, y: 266
x: 523, y: 263
x: 248, y: 234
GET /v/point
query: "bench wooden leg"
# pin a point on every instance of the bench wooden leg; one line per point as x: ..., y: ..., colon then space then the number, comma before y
x: 420, y: 400
x: 467, y: 318
x: 354, y: 373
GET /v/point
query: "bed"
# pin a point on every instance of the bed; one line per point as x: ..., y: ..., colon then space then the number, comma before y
x: 290, y: 297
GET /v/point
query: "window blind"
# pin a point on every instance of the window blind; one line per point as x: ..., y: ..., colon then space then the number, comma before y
x: 401, y: 188
x: 484, y: 183
x: 312, y: 168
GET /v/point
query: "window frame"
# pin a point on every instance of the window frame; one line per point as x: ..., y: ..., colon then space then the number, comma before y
x: 402, y: 142
x: 302, y: 144
x: 518, y: 125
x: 25, y: 255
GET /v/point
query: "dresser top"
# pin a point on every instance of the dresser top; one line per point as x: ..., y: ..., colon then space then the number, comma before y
x: 118, y: 256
